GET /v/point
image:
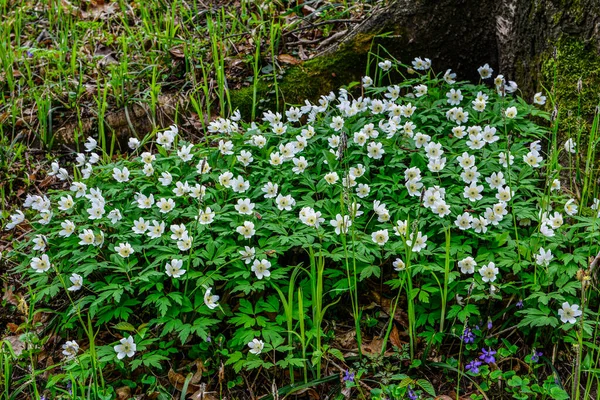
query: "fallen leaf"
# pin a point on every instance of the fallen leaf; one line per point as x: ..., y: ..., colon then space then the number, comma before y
x: 198, y: 375
x: 13, y: 328
x: 9, y: 295
x: 288, y: 59
x: 395, y: 338
x: 123, y: 393
x: 16, y: 344
x: 178, y: 380
x: 177, y: 52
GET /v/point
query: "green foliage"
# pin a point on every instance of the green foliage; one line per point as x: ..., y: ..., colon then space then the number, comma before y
x: 265, y: 227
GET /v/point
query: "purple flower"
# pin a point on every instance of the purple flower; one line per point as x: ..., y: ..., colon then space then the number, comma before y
x: 489, y: 324
x: 488, y: 356
x: 536, y: 356
x: 70, y: 387
x: 411, y: 394
x: 519, y: 304
x: 348, y: 376
x: 473, y: 366
x: 468, y: 336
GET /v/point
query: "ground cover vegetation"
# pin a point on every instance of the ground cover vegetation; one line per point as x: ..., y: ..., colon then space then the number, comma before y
x: 409, y: 235
x: 241, y: 248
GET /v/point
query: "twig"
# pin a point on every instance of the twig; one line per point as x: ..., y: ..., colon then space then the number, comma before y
x: 331, y: 21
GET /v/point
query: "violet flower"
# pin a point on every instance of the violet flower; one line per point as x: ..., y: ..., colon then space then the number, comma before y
x: 488, y: 356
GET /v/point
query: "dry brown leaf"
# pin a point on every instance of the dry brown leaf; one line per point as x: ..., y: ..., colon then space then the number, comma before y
x: 100, y: 10
x: 178, y: 380
x: 123, y: 393
x: 9, y: 296
x: 17, y: 345
x: 198, y: 375
x: 288, y: 59
x: 395, y: 338
x: 177, y: 52
x: 13, y: 328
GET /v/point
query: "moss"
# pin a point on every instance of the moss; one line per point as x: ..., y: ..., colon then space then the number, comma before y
x: 573, y: 61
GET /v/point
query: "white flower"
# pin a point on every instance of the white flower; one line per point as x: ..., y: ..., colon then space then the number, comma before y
x: 331, y: 178
x: 79, y: 188
x: 544, y: 257
x: 245, y: 158
x: 300, y: 165
x: 185, y: 243
x: 496, y: 180
x: 181, y: 189
x: 70, y: 349
x: 341, y: 224
x: 479, y: 224
x: 165, y: 205
x: 570, y: 146
x: 147, y: 157
x: 385, y: 65
x: 261, y: 268
x: 239, y: 185
x: 87, y: 237
x: 488, y: 272
x: 546, y: 230
x: 247, y: 229
x: 40, y: 242
x: 148, y: 169
x: 568, y: 313
x: 121, y: 175
x: 65, y: 203
x: 466, y: 161
x: 173, y: 268
x: 504, y: 161
x: 367, y: 81
x: 156, y: 230
x: 464, y: 221
x: 244, y: 206
x: 399, y: 265
x: 571, y: 207
x: 285, y: 202
x: 473, y: 192
x: 511, y: 112
x: 124, y: 250
x: 362, y: 190
x: 165, y: 179
x: 256, y: 346
x: 380, y: 237
x: 485, y: 71
x: 203, y: 167
x: 179, y: 232
x: 133, y: 143
x: 114, y: 216
x: 420, y: 90
x: 470, y: 175
x: 420, y: 242
x: 211, y: 300
x: 40, y: 264
x: 449, y: 77
x: 126, y: 348
x: 504, y: 194
x: 454, y: 97
x: 375, y: 150
x: 206, y: 217
x: 90, y: 144
x: 467, y: 265
x: 556, y: 186
x: 140, y: 226
x: 540, y: 99
x: 77, y: 281
x: 248, y: 254
x: 68, y: 228
x: 270, y: 190
x: 185, y: 153
x: 15, y: 219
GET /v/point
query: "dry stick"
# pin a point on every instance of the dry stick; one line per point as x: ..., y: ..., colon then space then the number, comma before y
x: 332, y: 38
x: 331, y: 21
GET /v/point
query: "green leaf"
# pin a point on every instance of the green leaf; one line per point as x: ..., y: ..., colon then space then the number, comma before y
x: 124, y: 326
